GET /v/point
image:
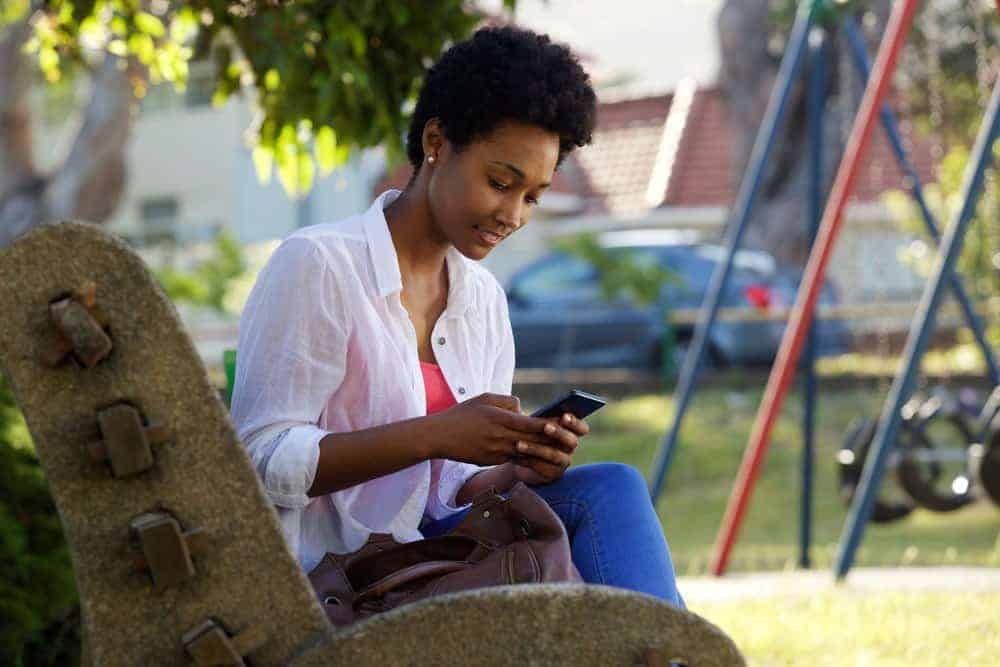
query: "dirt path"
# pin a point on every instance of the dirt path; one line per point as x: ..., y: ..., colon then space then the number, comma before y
x: 861, y: 580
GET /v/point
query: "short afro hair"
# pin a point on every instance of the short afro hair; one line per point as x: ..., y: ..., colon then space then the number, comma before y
x: 504, y: 74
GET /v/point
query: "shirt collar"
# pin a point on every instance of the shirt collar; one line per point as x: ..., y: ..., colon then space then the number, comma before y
x: 385, y: 262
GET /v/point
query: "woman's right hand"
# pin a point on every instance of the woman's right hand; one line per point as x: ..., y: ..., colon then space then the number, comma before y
x: 485, y: 430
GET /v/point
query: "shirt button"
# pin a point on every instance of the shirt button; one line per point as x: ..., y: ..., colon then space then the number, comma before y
x: 461, y: 390
x: 441, y: 340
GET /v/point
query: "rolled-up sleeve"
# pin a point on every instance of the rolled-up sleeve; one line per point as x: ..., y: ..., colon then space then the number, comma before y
x: 447, y: 479
x: 291, y: 357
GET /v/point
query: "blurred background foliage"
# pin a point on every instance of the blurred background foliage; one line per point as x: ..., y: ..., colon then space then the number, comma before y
x: 327, y: 77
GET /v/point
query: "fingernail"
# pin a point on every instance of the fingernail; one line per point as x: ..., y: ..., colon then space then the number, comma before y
x: 550, y: 429
x: 521, y: 447
x: 567, y: 419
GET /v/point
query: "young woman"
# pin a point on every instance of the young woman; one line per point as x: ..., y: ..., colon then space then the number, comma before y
x: 376, y: 356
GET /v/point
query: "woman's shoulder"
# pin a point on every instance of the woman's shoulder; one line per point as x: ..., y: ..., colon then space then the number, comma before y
x: 336, y: 245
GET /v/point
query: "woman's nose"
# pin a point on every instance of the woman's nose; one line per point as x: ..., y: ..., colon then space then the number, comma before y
x: 510, y: 214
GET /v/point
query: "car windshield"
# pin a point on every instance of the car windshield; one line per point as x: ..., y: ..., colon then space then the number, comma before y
x: 557, y: 275
x: 753, y: 261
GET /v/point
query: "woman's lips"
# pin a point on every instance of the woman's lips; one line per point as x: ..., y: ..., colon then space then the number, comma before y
x: 488, y: 238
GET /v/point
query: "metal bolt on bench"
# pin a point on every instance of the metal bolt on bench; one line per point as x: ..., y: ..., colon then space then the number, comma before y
x: 79, y: 326
x: 125, y: 440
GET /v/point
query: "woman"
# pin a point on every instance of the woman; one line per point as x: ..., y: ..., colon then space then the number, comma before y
x: 376, y: 356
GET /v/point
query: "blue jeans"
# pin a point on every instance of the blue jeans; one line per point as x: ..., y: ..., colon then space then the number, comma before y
x: 613, y: 529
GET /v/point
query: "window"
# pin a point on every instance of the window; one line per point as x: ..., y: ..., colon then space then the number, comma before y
x: 200, y: 87
x: 200, y: 84
x: 158, y: 220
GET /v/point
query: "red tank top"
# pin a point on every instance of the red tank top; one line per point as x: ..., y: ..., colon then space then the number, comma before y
x: 439, y: 396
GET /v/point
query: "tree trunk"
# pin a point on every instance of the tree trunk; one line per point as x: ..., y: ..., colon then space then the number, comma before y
x: 89, y: 183
x: 779, y: 221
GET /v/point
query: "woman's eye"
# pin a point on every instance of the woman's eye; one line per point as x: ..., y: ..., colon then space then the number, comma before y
x: 531, y: 200
x: 498, y: 185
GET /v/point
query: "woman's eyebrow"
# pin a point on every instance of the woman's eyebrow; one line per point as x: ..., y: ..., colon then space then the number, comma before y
x: 517, y: 172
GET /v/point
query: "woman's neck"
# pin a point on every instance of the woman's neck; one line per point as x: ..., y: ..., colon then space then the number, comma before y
x: 421, y: 248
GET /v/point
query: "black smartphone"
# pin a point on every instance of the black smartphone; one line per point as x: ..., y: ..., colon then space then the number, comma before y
x: 578, y: 403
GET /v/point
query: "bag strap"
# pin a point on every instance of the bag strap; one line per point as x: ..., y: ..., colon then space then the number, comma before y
x: 406, y: 575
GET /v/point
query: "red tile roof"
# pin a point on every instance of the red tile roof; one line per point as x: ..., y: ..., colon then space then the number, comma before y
x: 613, y: 174
x: 621, y: 159
x: 627, y: 139
x: 702, y: 173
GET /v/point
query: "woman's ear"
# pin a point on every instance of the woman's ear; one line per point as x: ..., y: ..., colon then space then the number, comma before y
x: 433, y: 138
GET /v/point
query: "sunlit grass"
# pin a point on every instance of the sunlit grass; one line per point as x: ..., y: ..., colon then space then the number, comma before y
x: 853, y: 628
x: 711, y: 446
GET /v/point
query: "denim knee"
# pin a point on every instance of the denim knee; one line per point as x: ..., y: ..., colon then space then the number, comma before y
x: 613, y: 479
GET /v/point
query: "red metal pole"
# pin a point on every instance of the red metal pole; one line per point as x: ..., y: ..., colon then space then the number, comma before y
x: 805, y: 302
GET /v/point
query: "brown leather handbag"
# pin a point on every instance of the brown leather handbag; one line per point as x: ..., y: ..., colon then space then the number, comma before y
x: 500, y: 541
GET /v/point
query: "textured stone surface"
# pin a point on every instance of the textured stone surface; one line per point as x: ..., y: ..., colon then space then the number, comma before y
x: 540, y: 624
x: 201, y: 474
x: 244, y: 576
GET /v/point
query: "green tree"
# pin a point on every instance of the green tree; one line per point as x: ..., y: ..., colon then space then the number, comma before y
x: 979, y: 263
x: 621, y: 273
x: 328, y: 76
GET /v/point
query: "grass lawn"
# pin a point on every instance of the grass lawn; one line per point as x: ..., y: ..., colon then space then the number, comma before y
x: 848, y: 628
x: 838, y: 627
x: 711, y: 446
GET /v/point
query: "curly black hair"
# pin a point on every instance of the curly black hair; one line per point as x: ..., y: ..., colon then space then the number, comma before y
x: 504, y: 74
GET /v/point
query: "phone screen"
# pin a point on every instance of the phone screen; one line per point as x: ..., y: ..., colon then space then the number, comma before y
x: 578, y: 403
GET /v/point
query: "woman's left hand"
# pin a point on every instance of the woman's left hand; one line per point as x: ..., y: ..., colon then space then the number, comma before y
x: 543, y: 463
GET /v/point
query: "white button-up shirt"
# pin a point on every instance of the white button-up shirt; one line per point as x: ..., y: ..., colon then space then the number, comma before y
x: 326, y: 346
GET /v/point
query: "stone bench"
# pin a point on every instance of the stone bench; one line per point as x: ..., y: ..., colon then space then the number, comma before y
x: 177, y: 552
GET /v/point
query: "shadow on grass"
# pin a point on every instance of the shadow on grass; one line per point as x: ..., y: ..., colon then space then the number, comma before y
x: 711, y: 447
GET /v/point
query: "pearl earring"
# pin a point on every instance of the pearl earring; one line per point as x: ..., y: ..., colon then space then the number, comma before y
x: 430, y: 159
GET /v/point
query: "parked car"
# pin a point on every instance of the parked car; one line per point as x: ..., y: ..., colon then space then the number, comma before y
x: 561, y: 318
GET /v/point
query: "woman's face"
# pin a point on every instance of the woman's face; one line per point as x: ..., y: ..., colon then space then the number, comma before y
x: 485, y: 192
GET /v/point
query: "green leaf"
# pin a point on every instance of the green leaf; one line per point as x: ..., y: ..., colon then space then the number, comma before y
x: 263, y: 162
x: 183, y: 25
x: 118, y: 48
x: 150, y: 24
x: 288, y: 173
x: 143, y: 47
x: 326, y: 150
x: 13, y: 10
x: 48, y: 59
x: 272, y: 80
x: 306, y: 173
x: 119, y: 26
x: 92, y: 30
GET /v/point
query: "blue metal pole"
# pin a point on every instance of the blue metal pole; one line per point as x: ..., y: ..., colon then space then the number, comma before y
x: 860, y: 54
x: 816, y: 103
x: 916, y: 342
x: 745, y: 198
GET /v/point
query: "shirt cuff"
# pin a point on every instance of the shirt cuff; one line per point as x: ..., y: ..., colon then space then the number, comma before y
x: 454, y: 475
x: 291, y: 469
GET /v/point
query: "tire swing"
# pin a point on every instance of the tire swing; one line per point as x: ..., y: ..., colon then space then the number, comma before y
x: 850, y: 464
x: 984, y: 460
x: 919, y: 470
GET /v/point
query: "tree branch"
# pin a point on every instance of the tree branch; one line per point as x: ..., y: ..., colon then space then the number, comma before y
x: 16, y: 160
x: 91, y: 180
